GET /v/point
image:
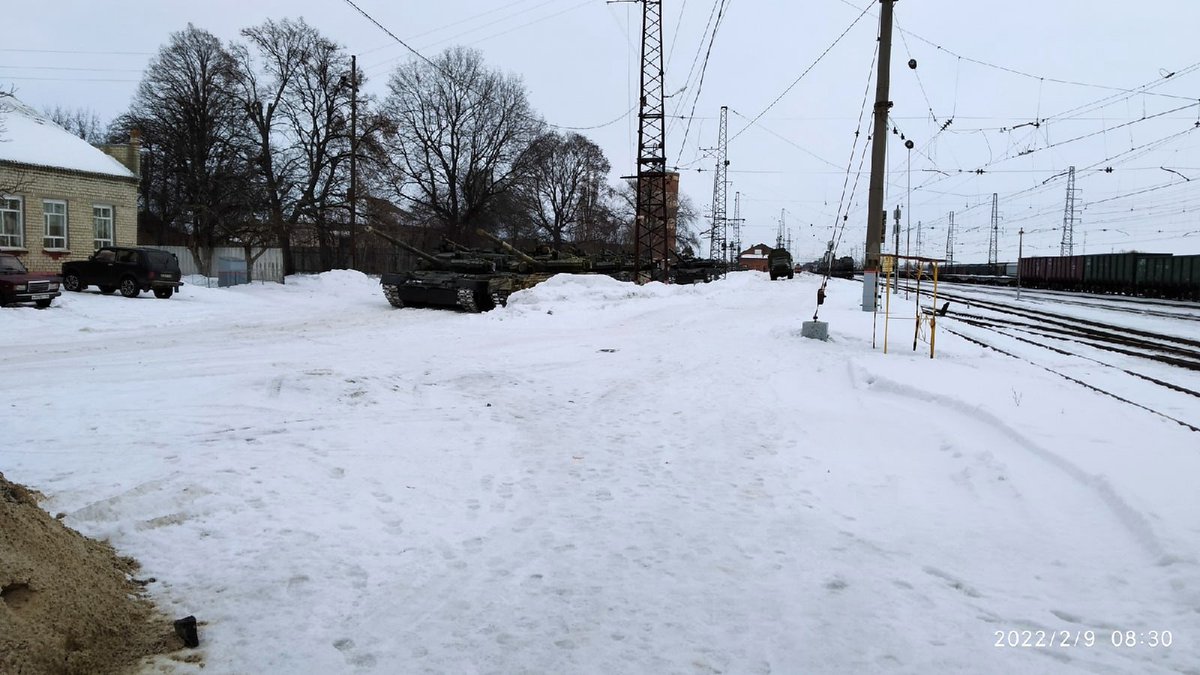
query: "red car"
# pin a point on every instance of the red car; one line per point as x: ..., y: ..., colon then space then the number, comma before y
x: 17, y: 285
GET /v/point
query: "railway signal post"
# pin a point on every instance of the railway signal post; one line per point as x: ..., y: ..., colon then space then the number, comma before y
x: 1020, y: 250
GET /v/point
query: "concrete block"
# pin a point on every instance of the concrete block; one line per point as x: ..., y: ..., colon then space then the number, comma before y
x: 817, y: 330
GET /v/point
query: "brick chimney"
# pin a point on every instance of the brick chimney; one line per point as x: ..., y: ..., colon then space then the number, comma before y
x: 128, y: 154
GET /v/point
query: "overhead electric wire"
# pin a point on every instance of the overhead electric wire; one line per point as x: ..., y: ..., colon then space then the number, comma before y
x: 787, y: 140
x: 721, y: 5
x: 839, y: 227
x: 1025, y: 74
x: 75, y: 51
x: 687, y: 81
x: 506, y: 31
x: 449, y: 76
x: 468, y: 20
x: 801, y: 77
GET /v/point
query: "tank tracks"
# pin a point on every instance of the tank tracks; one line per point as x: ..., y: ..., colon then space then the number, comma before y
x: 392, y: 293
x: 466, y: 300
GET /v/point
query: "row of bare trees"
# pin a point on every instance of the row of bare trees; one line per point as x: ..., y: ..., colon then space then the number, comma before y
x: 251, y: 142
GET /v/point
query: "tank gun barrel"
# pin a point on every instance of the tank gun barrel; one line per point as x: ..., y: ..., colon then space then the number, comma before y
x: 455, y: 245
x: 407, y: 247
x: 507, y: 247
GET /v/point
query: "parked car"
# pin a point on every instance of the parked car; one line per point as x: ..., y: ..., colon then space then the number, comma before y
x: 18, y: 285
x: 129, y: 270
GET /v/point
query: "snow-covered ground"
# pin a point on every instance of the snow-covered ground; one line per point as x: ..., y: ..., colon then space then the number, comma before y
x: 603, y: 478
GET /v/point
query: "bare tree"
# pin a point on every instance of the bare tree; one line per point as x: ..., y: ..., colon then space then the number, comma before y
x: 459, y: 131
x: 14, y: 180
x: 563, y: 173
x: 82, y: 122
x: 193, y: 126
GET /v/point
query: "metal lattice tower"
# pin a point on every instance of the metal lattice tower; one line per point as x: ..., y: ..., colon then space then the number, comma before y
x: 652, y: 237
x: 779, y: 232
x: 994, y: 242
x: 717, y: 247
x: 1068, y: 238
x: 735, y: 241
x: 950, y: 240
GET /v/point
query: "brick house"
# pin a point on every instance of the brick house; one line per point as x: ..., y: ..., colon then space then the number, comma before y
x: 60, y: 197
x: 755, y: 257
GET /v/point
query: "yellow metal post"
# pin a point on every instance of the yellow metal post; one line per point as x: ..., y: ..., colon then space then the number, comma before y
x: 888, y: 264
x: 933, y: 316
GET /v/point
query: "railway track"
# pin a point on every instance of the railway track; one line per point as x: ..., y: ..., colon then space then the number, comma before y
x: 1056, y: 332
x: 1137, y: 306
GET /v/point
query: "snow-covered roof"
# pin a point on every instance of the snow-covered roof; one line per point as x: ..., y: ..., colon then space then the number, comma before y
x: 29, y: 137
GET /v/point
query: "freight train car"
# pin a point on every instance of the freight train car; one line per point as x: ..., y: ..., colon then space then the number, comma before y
x: 999, y: 274
x: 1160, y: 275
x: 1060, y: 272
x: 1169, y: 276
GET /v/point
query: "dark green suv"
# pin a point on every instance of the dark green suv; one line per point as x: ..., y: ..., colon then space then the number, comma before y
x: 129, y: 270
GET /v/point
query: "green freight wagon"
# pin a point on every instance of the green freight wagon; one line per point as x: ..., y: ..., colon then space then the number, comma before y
x: 1117, y: 273
x: 1173, y: 277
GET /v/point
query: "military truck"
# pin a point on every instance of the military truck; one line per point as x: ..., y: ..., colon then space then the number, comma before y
x: 779, y: 264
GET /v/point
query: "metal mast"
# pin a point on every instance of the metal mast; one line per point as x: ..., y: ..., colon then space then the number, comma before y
x: 1068, y: 238
x: 651, y: 237
x: 717, y: 245
x: 950, y: 241
x: 994, y: 242
x: 779, y: 232
x: 735, y: 244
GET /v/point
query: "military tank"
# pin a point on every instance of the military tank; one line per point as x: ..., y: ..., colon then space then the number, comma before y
x: 616, y: 265
x: 546, y: 263
x: 688, y: 269
x: 453, y: 279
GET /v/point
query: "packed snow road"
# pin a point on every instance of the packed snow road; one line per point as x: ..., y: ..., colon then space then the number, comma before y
x: 602, y: 478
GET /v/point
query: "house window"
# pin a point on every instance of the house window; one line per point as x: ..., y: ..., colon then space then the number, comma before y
x: 12, y: 232
x: 102, y: 225
x: 55, y: 212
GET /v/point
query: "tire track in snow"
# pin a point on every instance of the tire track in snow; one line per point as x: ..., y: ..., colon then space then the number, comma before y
x: 1132, y: 520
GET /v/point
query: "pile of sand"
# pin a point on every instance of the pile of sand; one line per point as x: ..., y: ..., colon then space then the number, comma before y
x: 68, y: 604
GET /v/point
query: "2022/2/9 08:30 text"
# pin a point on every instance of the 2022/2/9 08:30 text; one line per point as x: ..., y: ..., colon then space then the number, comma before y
x: 1082, y: 638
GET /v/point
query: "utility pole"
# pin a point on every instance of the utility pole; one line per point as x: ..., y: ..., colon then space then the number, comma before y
x: 1068, y: 236
x: 950, y: 241
x: 896, y: 260
x: 919, y: 249
x: 735, y: 249
x: 908, y: 215
x: 779, y: 232
x: 875, y: 213
x: 1020, y: 252
x: 994, y: 242
x: 651, y: 224
x: 353, y: 159
x: 718, y: 238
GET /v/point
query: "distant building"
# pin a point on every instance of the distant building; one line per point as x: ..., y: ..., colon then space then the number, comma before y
x: 755, y: 257
x: 60, y: 197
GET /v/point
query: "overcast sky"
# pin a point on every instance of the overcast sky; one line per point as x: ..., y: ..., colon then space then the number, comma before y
x: 983, y: 78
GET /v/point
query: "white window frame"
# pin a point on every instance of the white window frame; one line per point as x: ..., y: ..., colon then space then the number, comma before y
x: 98, y: 222
x: 53, y: 241
x: 12, y: 239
